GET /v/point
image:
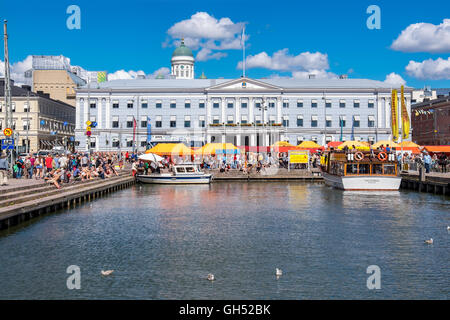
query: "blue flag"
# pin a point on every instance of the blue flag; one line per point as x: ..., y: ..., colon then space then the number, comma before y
x: 353, y: 130
x: 149, y: 132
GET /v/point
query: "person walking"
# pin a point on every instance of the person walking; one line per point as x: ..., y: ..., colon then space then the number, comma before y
x: 427, y: 162
x: 443, y: 162
x: 4, y: 167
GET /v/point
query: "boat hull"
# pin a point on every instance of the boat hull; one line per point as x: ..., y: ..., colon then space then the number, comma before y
x: 178, y: 179
x: 363, y: 183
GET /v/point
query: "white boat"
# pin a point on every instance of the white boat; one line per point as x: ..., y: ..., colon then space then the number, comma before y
x: 181, y: 174
x: 376, y: 171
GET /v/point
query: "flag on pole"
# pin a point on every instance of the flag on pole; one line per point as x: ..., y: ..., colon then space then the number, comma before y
x: 134, y: 130
x: 394, y: 117
x: 149, y: 132
x: 405, y: 116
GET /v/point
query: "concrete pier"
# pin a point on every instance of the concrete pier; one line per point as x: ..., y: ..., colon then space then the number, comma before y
x: 17, y: 205
x: 434, y: 183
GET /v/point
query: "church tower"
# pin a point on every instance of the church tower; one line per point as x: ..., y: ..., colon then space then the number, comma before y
x: 182, y: 62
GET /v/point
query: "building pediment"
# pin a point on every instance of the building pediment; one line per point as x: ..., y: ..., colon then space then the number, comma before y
x: 244, y: 84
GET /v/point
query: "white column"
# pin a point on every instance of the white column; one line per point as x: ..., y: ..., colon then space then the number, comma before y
x: 251, y: 106
x: 252, y: 139
x: 238, y: 140
x: 208, y: 111
x: 108, y: 113
x: 279, y: 109
x: 223, y: 106
x: 100, y: 113
x: 387, y: 107
x: 78, y: 124
x: 237, y: 112
x: 379, y: 112
x: 85, y: 112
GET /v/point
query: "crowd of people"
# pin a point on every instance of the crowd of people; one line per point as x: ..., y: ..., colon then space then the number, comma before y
x: 63, y: 168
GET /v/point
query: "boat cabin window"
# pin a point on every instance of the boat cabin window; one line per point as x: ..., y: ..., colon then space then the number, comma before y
x: 352, y: 168
x: 190, y: 169
x: 180, y: 170
x: 364, y: 168
x: 377, y: 169
x: 389, y: 169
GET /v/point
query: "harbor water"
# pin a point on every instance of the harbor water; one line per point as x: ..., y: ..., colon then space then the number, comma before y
x: 163, y: 241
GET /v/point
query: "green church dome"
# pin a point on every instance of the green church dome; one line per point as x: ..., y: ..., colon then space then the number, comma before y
x: 182, y: 50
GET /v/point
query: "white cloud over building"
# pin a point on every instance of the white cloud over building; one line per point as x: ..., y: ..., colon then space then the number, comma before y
x: 394, y: 79
x: 430, y: 69
x: 424, y: 37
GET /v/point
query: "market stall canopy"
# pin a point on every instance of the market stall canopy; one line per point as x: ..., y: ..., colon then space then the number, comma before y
x: 255, y: 149
x: 150, y: 157
x: 171, y: 149
x: 385, y: 143
x: 409, y: 144
x: 438, y: 149
x: 334, y: 144
x: 218, y: 148
x: 349, y: 144
x: 282, y: 144
x: 309, y: 145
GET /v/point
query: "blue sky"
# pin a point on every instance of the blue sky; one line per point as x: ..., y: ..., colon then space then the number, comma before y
x: 134, y: 35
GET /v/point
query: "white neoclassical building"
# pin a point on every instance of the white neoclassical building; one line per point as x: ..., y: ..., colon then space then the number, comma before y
x: 243, y: 111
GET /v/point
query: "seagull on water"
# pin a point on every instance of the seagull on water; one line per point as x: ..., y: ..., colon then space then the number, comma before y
x: 107, y: 272
x: 278, y: 272
x: 429, y: 241
x: 210, y: 277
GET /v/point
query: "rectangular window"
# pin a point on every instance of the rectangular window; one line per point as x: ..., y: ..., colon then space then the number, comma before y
x: 158, y: 122
x: 143, y: 123
x: 201, y: 121
x: 216, y: 105
x: 285, y: 104
x: 26, y: 124
x: 356, y: 121
x: 129, y: 123
x: 201, y: 105
x: 144, y: 104
x: 92, y: 143
x: 285, y: 121
x: 143, y: 143
x: 258, y: 119
x: 258, y: 105
x: 271, y: 104
x: 244, y: 105
x: 230, y: 120
x: 187, y: 105
x: 230, y: 105
x: 356, y: 104
x: 26, y: 107
x: 173, y: 121
x: 299, y: 121
x: 371, y: 122
x: 93, y: 104
x: 313, y: 103
x: 115, y: 104
x: 244, y: 119
x: 371, y: 104
x: 341, y: 103
x: 158, y: 104
x: 130, y: 104
x: 328, y: 122
x: 300, y: 104
x: 327, y: 103
x: 187, y: 124
x: 115, y: 143
x: 173, y: 104
x: 115, y: 122
x: 271, y: 119
x: 216, y: 120
x: 314, y: 120
x: 342, y: 121
x: 129, y: 143
x: 13, y: 106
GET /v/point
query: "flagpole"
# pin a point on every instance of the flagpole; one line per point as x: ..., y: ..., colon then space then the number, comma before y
x: 243, y: 50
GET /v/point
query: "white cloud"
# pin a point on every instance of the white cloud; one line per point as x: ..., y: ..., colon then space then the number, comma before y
x: 122, y: 74
x: 17, y: 69
x: 394, y: 80
x: 203, y: 31
x: 424, y: 37
x: 283, y: 61
x: 206, y: 54
x: 165, y: 72
x: 430, y: 69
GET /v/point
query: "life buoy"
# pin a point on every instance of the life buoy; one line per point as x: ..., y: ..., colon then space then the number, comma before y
x: 359, y: 156
x: 382, y: 156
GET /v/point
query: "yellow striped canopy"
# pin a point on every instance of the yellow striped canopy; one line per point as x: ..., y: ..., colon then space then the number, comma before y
x: 309, y: 145
x: 169, y: 149
x: 349, y: 144
x: 282, y: 144
x: 218, y: 148
x: 385, y: 143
